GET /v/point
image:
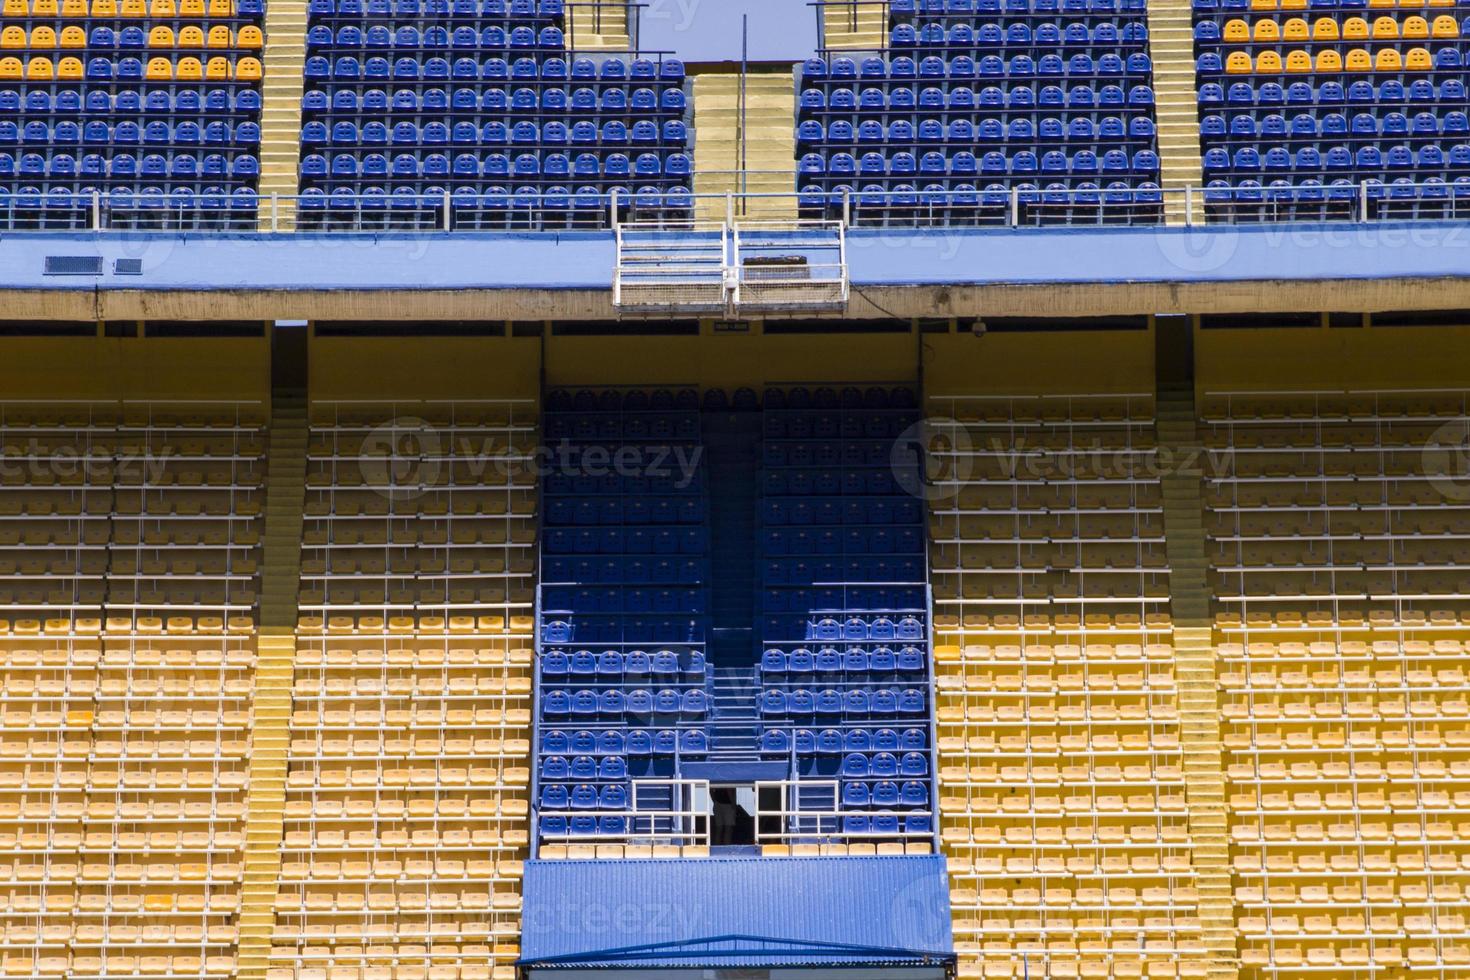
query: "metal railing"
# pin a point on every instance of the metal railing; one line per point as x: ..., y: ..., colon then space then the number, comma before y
x: 1021, y: 206
x: 675, y: 812
x: 810, y: 812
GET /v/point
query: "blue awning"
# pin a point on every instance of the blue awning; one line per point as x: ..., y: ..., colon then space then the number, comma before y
x: 743, y: 912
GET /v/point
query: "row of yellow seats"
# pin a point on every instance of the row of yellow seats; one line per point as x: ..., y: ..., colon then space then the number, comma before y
x: 1303, y: 5
x: 1389, y: 59
x: 127, y: 8
x: 1352, y: 29
x: 159, y: 69
x: 219, y: 36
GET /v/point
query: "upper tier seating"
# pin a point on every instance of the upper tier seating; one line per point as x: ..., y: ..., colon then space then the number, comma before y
x: 488, y: 108
x: 1299, y: 106
x: 977, y: 99
x: 130, y: 510
x: 153, y: 103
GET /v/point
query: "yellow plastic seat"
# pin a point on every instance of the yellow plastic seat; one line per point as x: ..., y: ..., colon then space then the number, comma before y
x: 192, y: 36
x: 1263, y: 4
x: 44, y: 8
x: 161, y: 37
x: 134, y: 8
x: 1329, y: 60
x: 10, y: 68
x: 1388, y: 59
x: 220, y: 37
x: 104, y: 8
x: 74, y: 8
x: 1296, y: 30
x: 1385, y: 28
x: 43, y: 37
x: 251, y: 38
x: 217, y: 68
x: 162, y: 8
x: 1266, y: 30
x: 1444, y: 26
x: 1298, y: 62
x: 189, y: 69
x: 1239, y: 63
x: 13, y: 37
x: 1237, y: 31
x: 1418, y: 59
x: 159, y: 69
x: 247, y: 70
x: 69, y: 68
x: 1293, y: 4
x: 73, y: 36
x: 1358, y: 60
x: 191, y: 8
x: 15, y: 8
x: 1268, y: 62
x: 1382, y: 3
x: 1325, y: 29
x: 1355, y: 29
x: 221, y: 8
x: 40, y: 69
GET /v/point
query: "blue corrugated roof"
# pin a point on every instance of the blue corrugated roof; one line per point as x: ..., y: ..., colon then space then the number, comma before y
x: 751, y: 912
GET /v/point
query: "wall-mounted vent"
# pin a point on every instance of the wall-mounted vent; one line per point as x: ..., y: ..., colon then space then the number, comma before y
x: 73, y: 265
x: 127, y: 267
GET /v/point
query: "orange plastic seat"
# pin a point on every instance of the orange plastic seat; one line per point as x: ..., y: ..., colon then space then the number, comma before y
x: 1266, y: 30
x: 73, y: 36
x: 104, y: 8
x: 1444, y: 26
x: 217, y: 68
x: 134, y: 8
x: 1385, y: 28
x: 1237, y: 30
x: 251, y: 38
x: 159, y: 69
x: 13, y: 37
x: 192, y: 36
x: 1329, y: 60
x: 191, y: 8
x: 1418, y: 59
x: 69, y: 68
x: 1415, y: 27
x: 10, y: 68
x: 1388, y: 59
x: 221, y: 8
x: 1325, y: 29
x: 161, y: 37
x: 1239, y: 63
x: 1355, y: 29
x: 163, y: 8
x: 1268, y: 62
x: 247, y: 70
x: 189, y: 69
x: 1263, y: 4
x: 43, y: 37
x: 1293, y: 4
x: 1298, y: 62
x: 44, y: 8
x: 15, y: 8
x: 1382, y: 3
x: 1358, y: 60
x: 74, y: 8
x: 220, y: 37
x: 1296, y: 30
x: 40, y: 69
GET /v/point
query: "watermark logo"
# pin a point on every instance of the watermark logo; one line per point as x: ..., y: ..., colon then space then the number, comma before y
x: 400, y: 459
x: 1446, y: 460
x: 932, y: 459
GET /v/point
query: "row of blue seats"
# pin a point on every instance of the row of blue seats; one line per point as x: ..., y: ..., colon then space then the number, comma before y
x: 1018, y: 36
x: 990, y: 66
x: 854, y: 705
x: 584, y: 797
x: 625, y: 600
x: 826, y: 482
x: 614, y: 705
x: 883, y: 765
x: 842, y: 133
x: 959, y: 200
x: 805, y: 571
x: 562, y: 400
x: 818, y: 542
x: 156, y: 133
x: 123, y: 198
x: 125, y: 165
x: 532, y: 203
x: 661, y: 478
x: 900, y: 9
x: 884, y: 795
x: 472, y: 100
x: 823, y: 426
x: 214, y: 101
x: 803, y: 600
x: 1446, y: 59
x: 614, y: 132
x: 1241, y: 6
x: 514, y: 9
x: 836, y: 741
x: 874, y: 165
x: 635, y: 427
x: 616, y: 541
x: 410, y: 38
x: 1309, y: 127
x: 851, y: 451
x: 968, y: 101
x: 874, y: 510
x: 556, y: 168
x: 1386, y: 94
x: 850, y: 660
x: 556, y: 70
x: 622, y: 571
x: 556, y: 663
x: 683, y: 509
x: 1338, y: 159
x: 583, y: 768
x: 630, y: 742
x: 800, y: 398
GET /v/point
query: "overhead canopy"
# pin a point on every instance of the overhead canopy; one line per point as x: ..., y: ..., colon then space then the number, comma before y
x: 737, y: 912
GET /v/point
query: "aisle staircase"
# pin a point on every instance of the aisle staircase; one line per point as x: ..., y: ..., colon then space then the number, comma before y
x: 1195, y: 671
x: 734, y: 715
x: 859, y: 26
x: 600, y: 26
x: 768, y: 140
x: 281, y: 87
x: 1171, y: 47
